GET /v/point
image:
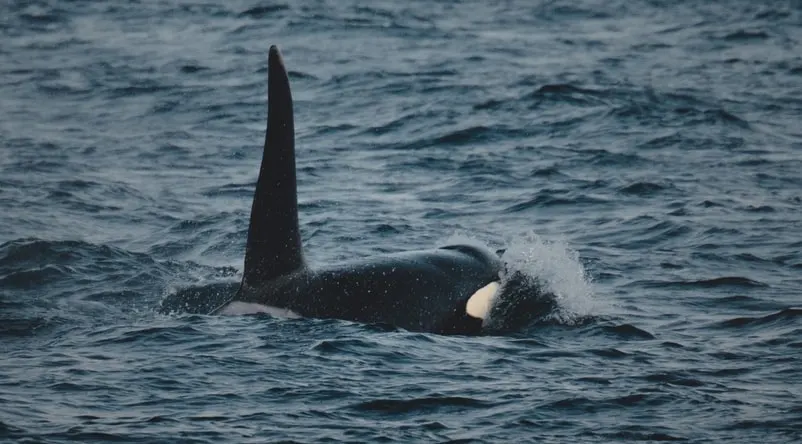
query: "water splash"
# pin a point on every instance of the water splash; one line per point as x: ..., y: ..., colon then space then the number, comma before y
x: 557, y: 270
x: 544, y: 280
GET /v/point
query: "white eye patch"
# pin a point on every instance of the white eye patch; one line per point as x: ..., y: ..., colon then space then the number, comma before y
x: 480, y: 302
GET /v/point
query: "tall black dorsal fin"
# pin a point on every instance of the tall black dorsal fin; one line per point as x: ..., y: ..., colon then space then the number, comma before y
x: 274, y: 240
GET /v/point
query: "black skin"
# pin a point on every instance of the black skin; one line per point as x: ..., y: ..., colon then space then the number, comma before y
x: 418, y: 291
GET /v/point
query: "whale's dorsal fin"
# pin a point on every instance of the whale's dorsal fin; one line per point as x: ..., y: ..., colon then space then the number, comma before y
x: 274, y: 240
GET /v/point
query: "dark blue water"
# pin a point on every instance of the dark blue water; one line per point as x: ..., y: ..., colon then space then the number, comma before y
x: 643, y: 158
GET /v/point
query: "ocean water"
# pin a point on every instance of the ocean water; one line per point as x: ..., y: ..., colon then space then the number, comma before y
x: 643, y: 158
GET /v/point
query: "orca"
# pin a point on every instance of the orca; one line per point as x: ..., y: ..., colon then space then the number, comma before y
x: 447, y: 290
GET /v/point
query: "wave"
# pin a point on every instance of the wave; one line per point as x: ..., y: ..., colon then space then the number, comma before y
x: 719, y: 282
x: 429, y: 404
x: 784, y: 317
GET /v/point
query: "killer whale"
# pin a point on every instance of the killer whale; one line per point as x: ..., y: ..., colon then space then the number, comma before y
x: 448, y: 290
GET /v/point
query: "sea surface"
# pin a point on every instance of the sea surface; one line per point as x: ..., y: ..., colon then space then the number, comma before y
x: 642, y: 158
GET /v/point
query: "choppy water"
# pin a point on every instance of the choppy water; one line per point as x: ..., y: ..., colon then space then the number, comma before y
x: 643, y: 157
